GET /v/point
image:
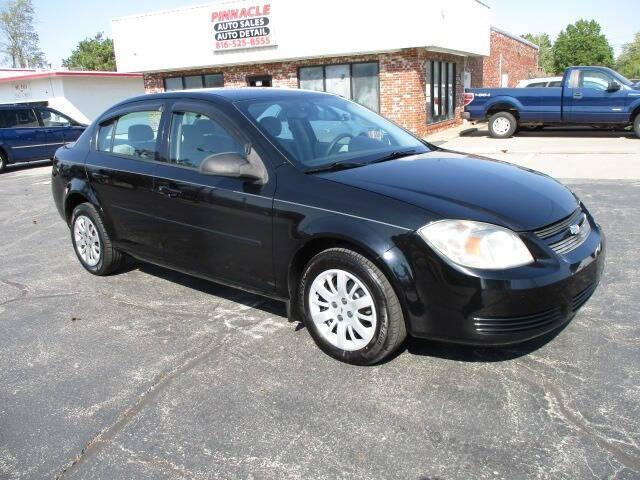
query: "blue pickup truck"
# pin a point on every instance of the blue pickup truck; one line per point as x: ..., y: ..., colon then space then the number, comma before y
x: 33, y: 132
x: 595, y: 96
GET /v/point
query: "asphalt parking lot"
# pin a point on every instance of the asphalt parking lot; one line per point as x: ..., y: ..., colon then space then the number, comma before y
x: 152, y: 374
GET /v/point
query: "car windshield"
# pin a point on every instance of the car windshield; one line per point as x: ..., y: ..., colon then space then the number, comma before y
x: 325, y: 131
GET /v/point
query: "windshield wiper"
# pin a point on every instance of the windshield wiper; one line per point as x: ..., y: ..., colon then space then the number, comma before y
x: 335, y: 166
x: 393, y: 155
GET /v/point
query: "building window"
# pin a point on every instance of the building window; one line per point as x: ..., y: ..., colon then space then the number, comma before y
x: 441, y: 91
x: 211, y: 80
x: 355, y: 81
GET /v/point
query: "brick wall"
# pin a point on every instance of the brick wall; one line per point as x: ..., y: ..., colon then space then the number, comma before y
x: 507, y: 55
x: 402, y: 82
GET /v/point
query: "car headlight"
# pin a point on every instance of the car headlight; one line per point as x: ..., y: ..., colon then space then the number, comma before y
x: 476, y: 244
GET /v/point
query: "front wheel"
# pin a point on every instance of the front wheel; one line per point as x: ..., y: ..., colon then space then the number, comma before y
x: 502, y: 125
x: 350, y: 308
x: 636, y: 125
x: 3, y: 162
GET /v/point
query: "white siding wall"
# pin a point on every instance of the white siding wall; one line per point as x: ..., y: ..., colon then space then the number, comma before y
x: 82, y: 98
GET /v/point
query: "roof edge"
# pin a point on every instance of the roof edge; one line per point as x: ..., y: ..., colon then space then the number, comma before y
x: 515, y: 37
x: 37, y: 74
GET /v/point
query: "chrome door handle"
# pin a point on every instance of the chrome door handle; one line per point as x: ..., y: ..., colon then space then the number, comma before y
x: 577, y: 95
x: 169, y: 192
x: 100, y: 177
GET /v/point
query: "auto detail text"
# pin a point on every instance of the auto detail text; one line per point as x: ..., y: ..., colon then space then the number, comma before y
x: 246, y: 26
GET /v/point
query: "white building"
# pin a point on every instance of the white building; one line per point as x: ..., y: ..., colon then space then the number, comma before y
x: 404, y: 58
x: 81, y: 95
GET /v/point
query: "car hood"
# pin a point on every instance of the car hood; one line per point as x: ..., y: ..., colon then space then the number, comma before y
x: 453, y: 185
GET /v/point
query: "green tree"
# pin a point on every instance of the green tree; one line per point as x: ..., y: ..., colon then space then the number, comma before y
x: 92, y: 54
x: 21, y: 43
x: 545, y: 54
x: 629, y: 60
x: 582, y: 44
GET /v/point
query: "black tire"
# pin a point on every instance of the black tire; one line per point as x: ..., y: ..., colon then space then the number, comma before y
x: 3, y: 162
x: 501, y: 118
x: 110, y: 259
x: 390, y: 330
x: 636, y: 125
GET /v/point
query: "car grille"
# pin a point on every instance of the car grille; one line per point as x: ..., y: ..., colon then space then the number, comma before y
x: 505, y: 325
x: 522, y: 323
x: 560, y: 237
x: 581, y: 298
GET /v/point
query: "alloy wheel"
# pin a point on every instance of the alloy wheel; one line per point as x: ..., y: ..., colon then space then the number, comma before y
x: 87, y: 240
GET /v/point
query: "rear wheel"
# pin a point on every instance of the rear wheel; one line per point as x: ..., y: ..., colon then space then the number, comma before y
x: 3, y: 162
x: 91, y: 241
x: 350, y: 308
x: 502, y: 125
x: 636, y: 125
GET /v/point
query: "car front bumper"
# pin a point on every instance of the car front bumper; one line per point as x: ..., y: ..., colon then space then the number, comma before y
x: 446, y: 302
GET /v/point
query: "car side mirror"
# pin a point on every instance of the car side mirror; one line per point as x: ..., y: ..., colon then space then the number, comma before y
x: 613, y: 87
x: 230, y: 164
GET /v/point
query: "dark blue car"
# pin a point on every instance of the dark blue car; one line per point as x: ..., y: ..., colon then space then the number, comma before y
x: 29, y: 132
x: 593, y: 96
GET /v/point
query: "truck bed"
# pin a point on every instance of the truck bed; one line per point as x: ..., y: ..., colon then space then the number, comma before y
x: 533, y: 104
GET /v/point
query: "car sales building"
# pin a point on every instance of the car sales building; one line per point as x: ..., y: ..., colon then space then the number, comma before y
x: 406, y: 59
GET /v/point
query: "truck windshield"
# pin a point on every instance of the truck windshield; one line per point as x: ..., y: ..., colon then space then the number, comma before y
x: 621, y: 78
x: 319, y: 130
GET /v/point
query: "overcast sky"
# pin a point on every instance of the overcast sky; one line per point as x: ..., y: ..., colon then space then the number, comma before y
x: 63, y: 23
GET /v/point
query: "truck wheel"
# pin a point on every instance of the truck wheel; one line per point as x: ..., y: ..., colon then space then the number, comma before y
x: 636, y: 125
x: 502, y: 125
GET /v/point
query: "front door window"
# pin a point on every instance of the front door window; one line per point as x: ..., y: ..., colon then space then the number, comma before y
x: 51, y: 118
x: 594, y: 80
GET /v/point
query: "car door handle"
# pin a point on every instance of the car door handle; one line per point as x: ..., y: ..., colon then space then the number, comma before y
x: 170, y: 192
x: 577, y: 95
x: 100, y: 177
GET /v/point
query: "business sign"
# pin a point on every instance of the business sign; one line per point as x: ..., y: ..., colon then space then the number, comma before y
x: 242, y: 25
x: 22, y: 90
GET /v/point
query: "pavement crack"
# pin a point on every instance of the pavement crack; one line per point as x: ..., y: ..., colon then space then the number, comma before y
x: 160, y: 382
x: 23, y: 293
x: 576, y: 421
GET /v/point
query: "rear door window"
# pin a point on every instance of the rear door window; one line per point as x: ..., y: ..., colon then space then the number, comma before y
x: 105, y: 136
x: 8, y: 119
x: 195, y: 136
x: 27, y: 118
x: 135, y: 135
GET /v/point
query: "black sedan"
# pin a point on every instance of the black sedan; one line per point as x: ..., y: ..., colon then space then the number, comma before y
x: 367, y: 232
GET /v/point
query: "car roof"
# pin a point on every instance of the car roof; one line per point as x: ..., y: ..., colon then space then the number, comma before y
x: 14, y: 106
x: 542, y: 79
x: 227, y: 94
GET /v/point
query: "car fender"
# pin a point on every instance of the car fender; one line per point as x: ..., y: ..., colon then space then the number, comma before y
x: 510, y: 102
x: 635, y: 105
x: 81, y: 187
x: 321, y: 229
x: 339, y: 227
